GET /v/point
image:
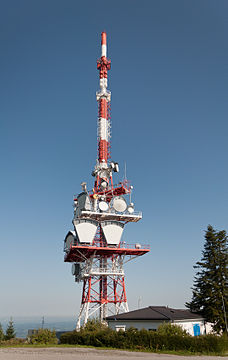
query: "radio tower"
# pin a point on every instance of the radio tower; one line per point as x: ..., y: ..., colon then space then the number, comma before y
x: 94, y: 246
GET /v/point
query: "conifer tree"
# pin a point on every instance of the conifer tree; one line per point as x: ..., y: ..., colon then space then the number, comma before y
x: 210, y: 289
x: 2, y: 336
x: 10, y: 332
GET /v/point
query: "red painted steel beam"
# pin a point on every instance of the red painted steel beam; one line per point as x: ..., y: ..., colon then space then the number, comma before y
x: 79, y: 253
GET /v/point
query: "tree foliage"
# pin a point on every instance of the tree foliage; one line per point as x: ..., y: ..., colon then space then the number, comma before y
x: 10, y: 331
x: 2, y: 336
x: 210, y: 289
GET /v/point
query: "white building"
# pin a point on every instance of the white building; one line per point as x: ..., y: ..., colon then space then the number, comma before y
x: 151, y: 317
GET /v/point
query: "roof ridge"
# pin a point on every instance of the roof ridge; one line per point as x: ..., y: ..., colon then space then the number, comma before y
x: 161, y: 312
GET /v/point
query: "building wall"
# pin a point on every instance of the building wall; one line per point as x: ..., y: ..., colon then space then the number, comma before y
x: 153, y: 325
x: 189, y: 326
x: 146, y: 324
x: 205, y: 328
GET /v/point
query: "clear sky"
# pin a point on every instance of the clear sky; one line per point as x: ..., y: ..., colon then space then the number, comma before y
x: 169, y: 83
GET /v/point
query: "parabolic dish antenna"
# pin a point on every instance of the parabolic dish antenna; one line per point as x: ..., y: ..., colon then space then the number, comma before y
x: 103, y: 206
x: 119, y: 204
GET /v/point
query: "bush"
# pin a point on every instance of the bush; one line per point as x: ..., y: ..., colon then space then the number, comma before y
x: 169, y: 329
x: 94, y: 325
x: 162, y: 340
x: 44, y: 336
x: 15, y: 341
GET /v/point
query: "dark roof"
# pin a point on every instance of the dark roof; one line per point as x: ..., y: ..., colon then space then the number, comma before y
x: 157, y: 313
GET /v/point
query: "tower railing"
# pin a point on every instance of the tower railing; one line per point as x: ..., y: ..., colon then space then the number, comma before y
x: 122, y: 245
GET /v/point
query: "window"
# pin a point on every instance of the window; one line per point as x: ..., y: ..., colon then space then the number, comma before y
x: 120, y: 327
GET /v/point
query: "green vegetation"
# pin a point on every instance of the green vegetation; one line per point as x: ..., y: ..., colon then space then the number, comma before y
x: 95, y: 325
x: 169, y: 329
x: 9, y: 338
x: 2, y: 336
x: 168, y: 338
x: 164, y: 340
x: 13, y: 342
x: 44, y: 336
x: 10, y: 332
x: 210, y: 290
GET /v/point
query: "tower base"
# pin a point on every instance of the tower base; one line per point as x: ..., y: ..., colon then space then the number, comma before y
x: 102, y: 295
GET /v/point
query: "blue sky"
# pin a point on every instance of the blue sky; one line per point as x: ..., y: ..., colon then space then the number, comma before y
x: 169, y: 124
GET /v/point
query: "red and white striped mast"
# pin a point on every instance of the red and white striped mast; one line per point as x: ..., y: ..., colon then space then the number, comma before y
x: 94, y: 246
x: 103, y: 98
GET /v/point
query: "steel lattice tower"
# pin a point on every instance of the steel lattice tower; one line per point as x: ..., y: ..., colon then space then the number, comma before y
x: 94, y: 246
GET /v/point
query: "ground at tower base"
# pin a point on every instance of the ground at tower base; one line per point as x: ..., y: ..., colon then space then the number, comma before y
x: 87, y: 354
